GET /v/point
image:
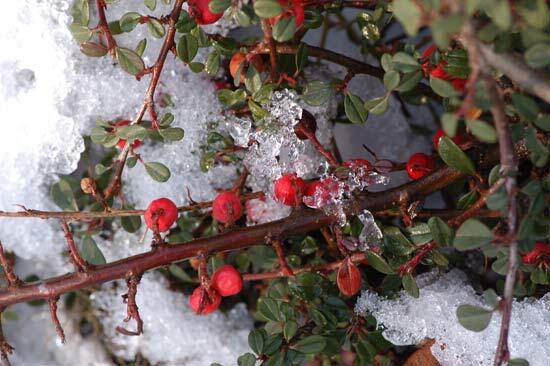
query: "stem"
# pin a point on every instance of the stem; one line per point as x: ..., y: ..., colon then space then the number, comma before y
x: 79, y: 262
x: 11, y: 277
x: 148, y: 102
x: 357, y: 257
x: 90, y: 215
x: 271, y: 45
x: 508, y: 166
x: 104, y: 27
x: 53, y: 312
x: 413, y: 262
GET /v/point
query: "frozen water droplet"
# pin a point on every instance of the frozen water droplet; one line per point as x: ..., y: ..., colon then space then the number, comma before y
x: 371, y: 233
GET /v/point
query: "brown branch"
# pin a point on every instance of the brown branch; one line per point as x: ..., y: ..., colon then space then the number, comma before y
x: 80, y: 264
x: 536, y: 82
x: 11, y: 277
x: 148, y: 102
x: 271, y: 45
x: 284, y: 268
x: 356, y: 66
x: 411, y: 264
x: 103, y: 26
x: 90, y: 215
x: 444, y: 214
x: 299, y: 222
x: 357, y: 257
x: 5, y: 347
x: 53, y: 313
x: 508, y: 166
x: 132, y: 309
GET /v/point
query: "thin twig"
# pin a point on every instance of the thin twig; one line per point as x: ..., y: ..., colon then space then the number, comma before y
x: 103, y: 26
x: 80, y: 264
x: 5, y: 347
x: 283, y: 264
x: 11, y: 277
x: 508, y: 167
x: 270, y: 42
x: 132, y: 310
x: 53, y: 313
x: 91, y: 215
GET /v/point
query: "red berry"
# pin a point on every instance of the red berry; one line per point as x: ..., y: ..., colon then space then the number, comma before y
x: 458, y: 139
x: 289, y: 189
x: 318, y: 193
x: 290, y: 8
x: 428, y: 51
x: 459, y: 84
x: 199, y: 10
x: 439, y: 72
x: 238, y: 59
x: 122, y: 142
x: 349, y: 278
x: 211, y: 304
x: 357, y: 164
x: 420, y: 165
x: 227, y: 281
x: 162, y: 212
x: 539, y: 249
x: 227, y: 207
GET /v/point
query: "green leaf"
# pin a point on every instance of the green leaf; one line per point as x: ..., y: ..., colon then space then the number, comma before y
x: 538, y: 152
x: 131, y: 132
x: 310, y: 345
x: 187, y: 48
x: 543, y: 122
x: 500, y: 13
x: 284, y: 29
x: 409, y: 14
x: 518, y: 362
x: 404, y: 62
x: 377, y: 105
x: 166, y: 120
x: 410, y: 81
x: 443, y: 88
x: 158, y: 171
x: 172, y: 134
x: 491, y: 297
x: 317, y: 93
x: 473, y: 318
x: 212, y: 64
x: 256, y: 341
x: 129, y: 21
x: 129, y: 61
x: 219, y: 6
x: 355, y: 109
x: 180, y: 274
x: 442, y: 234
x: 252, y: 81
x: 228, y: 97
x: 131, y: 223
x: 81, y: 12
x: 391, y: 80
x: 526, y: 107
x: 140, y: 47
x: 100, y: 169
x: 247, y: 359
x: 80, y: 32
x: 379, y: 263
x: 289, y: 330
x: 444, y: 27
x: 150, y: 4
x: 482, y: 130
x: 301, y: 56
x: 386, y: 62
x: 131, y: 161
x: 185, y: 23
x: 449, y: 123
x: 409, y: 284
x: 155, y: 28
x: 472, y: 234
x: 267, y: 8
x: 98, y: 135
x: 63, y: 195
x: 90, y: 252
x: 454, y: 157
x: 196, y: 67
x: 92, y: 49
x: 269, y: 309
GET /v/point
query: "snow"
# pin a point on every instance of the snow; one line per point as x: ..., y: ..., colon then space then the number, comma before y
x: 409, y: 321
x: 173, y: 333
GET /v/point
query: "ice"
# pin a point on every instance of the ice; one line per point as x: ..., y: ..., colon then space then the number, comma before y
x: 261, y: 211
x: 409, y: 321
x: 173, y: 334
x: 371, y: 233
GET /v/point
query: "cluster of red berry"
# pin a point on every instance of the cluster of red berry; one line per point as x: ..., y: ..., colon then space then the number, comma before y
x: 438, y: 70
x: 226, y: 281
